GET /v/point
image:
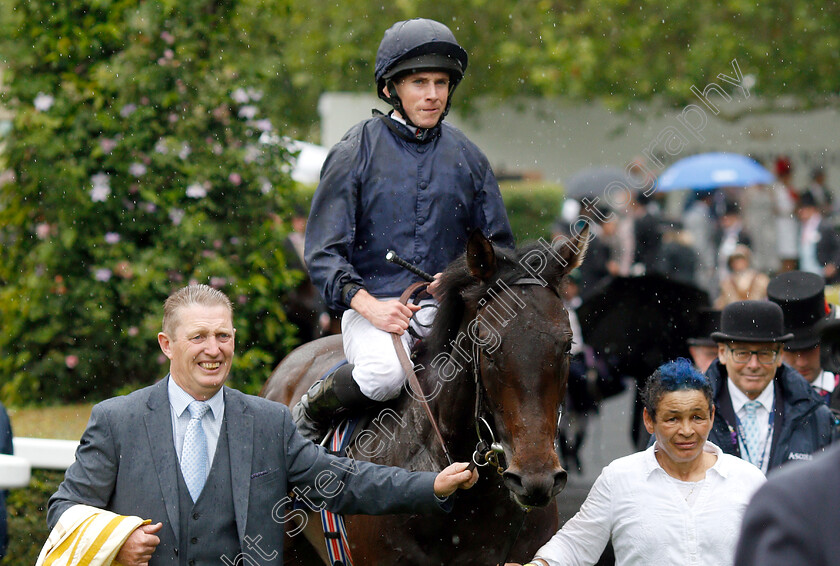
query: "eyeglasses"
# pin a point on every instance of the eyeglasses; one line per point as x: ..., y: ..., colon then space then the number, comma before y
x: 766, y: 357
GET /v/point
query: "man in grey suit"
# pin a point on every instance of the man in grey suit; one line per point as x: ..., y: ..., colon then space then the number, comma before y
x: 211, y: 466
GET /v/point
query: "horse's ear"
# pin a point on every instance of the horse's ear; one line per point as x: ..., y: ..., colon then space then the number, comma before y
x: 481, y: 259
x: 573, y: 251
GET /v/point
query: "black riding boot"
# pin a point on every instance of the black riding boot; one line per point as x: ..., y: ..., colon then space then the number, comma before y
x: 328, y: 399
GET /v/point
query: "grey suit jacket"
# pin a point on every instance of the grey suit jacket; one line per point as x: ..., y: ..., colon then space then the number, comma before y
x: 126, y: 463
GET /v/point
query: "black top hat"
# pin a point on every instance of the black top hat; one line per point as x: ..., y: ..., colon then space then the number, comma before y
x: 751, y: 321
x: 802, y: 298
x: 708, y: 321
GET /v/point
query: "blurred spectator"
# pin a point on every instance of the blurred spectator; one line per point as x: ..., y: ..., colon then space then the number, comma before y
x: 742, y: 282
x: 646, y: 231
x: 703, y: 349
x: 677, y: 258
x: 730, y: 234
x: 699, y: 221
x: 303, y: 304
x: 589, y: 381
x: 818, y: 189
x: 819, y: 242
x: 802, y: 298
x: 786, y: 226
x: 599, y: 264
x: 759, y: 213
x: 5, y: 448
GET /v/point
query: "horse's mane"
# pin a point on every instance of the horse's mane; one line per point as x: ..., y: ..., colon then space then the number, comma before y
x: 458, y: 288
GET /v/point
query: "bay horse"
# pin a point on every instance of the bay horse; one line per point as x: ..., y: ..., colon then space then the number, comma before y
x: 494, y: 365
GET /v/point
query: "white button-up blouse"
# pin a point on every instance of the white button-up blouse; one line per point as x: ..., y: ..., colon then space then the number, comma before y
x: 635, y: 503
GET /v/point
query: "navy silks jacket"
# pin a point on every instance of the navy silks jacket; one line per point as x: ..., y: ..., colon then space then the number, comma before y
x: 380, y: 190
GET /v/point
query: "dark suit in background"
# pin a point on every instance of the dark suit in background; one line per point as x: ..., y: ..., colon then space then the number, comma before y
x: 794, y: 519
x: 6, y: 447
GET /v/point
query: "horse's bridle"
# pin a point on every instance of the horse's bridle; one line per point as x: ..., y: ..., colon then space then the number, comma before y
x: 490, y: 451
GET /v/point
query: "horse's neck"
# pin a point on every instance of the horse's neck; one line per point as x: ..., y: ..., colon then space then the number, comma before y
x: 452, y: 404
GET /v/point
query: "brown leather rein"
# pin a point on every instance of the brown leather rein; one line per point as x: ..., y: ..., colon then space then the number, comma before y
x: 484, y: 449
x: 408, y: 367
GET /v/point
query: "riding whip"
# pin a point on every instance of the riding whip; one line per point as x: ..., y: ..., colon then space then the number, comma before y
x: 392, y: 257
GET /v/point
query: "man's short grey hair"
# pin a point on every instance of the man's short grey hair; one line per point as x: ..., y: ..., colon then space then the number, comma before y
x: 200, y: 294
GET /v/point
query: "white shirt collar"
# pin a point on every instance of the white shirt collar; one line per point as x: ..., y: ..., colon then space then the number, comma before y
x: 180, y: 399
x: 739, y: 399
x: 652, y: 464
x: 402, y: 121
x: 824, y: 382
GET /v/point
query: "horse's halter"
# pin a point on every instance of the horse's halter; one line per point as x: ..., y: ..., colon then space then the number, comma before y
x: 490, y: 452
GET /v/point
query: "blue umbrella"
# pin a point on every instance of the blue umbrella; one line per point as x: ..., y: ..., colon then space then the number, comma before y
x: 708, y: 171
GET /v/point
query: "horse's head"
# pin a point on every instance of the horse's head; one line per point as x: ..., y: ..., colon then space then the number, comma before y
x: 517, y: 335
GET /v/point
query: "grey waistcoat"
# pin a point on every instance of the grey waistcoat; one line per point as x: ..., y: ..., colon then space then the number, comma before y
x: 208, y: 527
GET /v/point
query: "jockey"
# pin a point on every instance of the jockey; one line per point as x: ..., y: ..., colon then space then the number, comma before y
x: 404, y: 181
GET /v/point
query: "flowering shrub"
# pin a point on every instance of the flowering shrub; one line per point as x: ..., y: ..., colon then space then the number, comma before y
x: 144, y: 157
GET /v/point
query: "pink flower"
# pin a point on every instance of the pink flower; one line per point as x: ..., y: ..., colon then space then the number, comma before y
x: 137, y: 169
x: 248, y: 112
x: 43, y: 102
x: 107, y: 144
x: 161, y: 359
x: 112, y: 238
x: 71, y: 361
x: 240, y: 96
x: 167, y: 37
x: 176, y: 215
x: 235, y: 178
x: 101, y: 187
x: 128, y: 110
x: 102, y: 274
x: 42, y: 230
x: 133, y: 331
x: 196, y: 190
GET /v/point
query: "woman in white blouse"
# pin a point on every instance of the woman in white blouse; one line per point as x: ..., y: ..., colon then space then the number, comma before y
x: 678, y: 502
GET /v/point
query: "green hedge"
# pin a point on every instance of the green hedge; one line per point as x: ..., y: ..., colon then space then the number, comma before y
x: 27, y: 516
x: 532, y: 208
x: 146, y: 154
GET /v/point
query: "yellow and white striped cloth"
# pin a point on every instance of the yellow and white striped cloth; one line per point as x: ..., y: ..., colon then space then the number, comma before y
x: 87, y: 536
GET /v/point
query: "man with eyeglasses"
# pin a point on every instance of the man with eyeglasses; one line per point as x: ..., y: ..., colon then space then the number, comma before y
x: 766, y: 413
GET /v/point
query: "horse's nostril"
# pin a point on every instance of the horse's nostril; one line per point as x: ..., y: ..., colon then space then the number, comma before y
x: 513, y: 481
x: 560, y: 479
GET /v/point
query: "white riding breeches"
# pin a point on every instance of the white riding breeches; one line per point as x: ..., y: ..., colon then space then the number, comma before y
x: 377, y: 369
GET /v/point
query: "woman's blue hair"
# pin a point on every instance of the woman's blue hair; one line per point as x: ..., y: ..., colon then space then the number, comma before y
x: 678, y: 375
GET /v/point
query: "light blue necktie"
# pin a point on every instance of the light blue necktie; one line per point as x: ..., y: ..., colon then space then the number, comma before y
x: 194, y: 460
x: 752, y: 434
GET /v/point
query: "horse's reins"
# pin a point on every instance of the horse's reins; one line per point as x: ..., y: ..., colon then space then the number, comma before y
x: 408, y: 367
x: 487, y: 450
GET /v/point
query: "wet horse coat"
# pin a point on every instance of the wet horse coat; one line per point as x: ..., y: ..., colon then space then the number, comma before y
x: 500, y: 342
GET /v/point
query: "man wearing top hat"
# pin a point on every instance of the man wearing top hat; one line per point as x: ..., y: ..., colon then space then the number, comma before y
x: 702, y: 348
x: 765, y: 412
x: 802, y: 298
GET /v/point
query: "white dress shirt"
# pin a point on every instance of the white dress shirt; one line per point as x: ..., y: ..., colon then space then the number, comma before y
x: 649, y: 520
x: 762, y: 415
x: 179, y: 400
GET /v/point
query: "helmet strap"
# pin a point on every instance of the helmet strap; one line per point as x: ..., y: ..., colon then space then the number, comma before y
x: 394, y: 100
